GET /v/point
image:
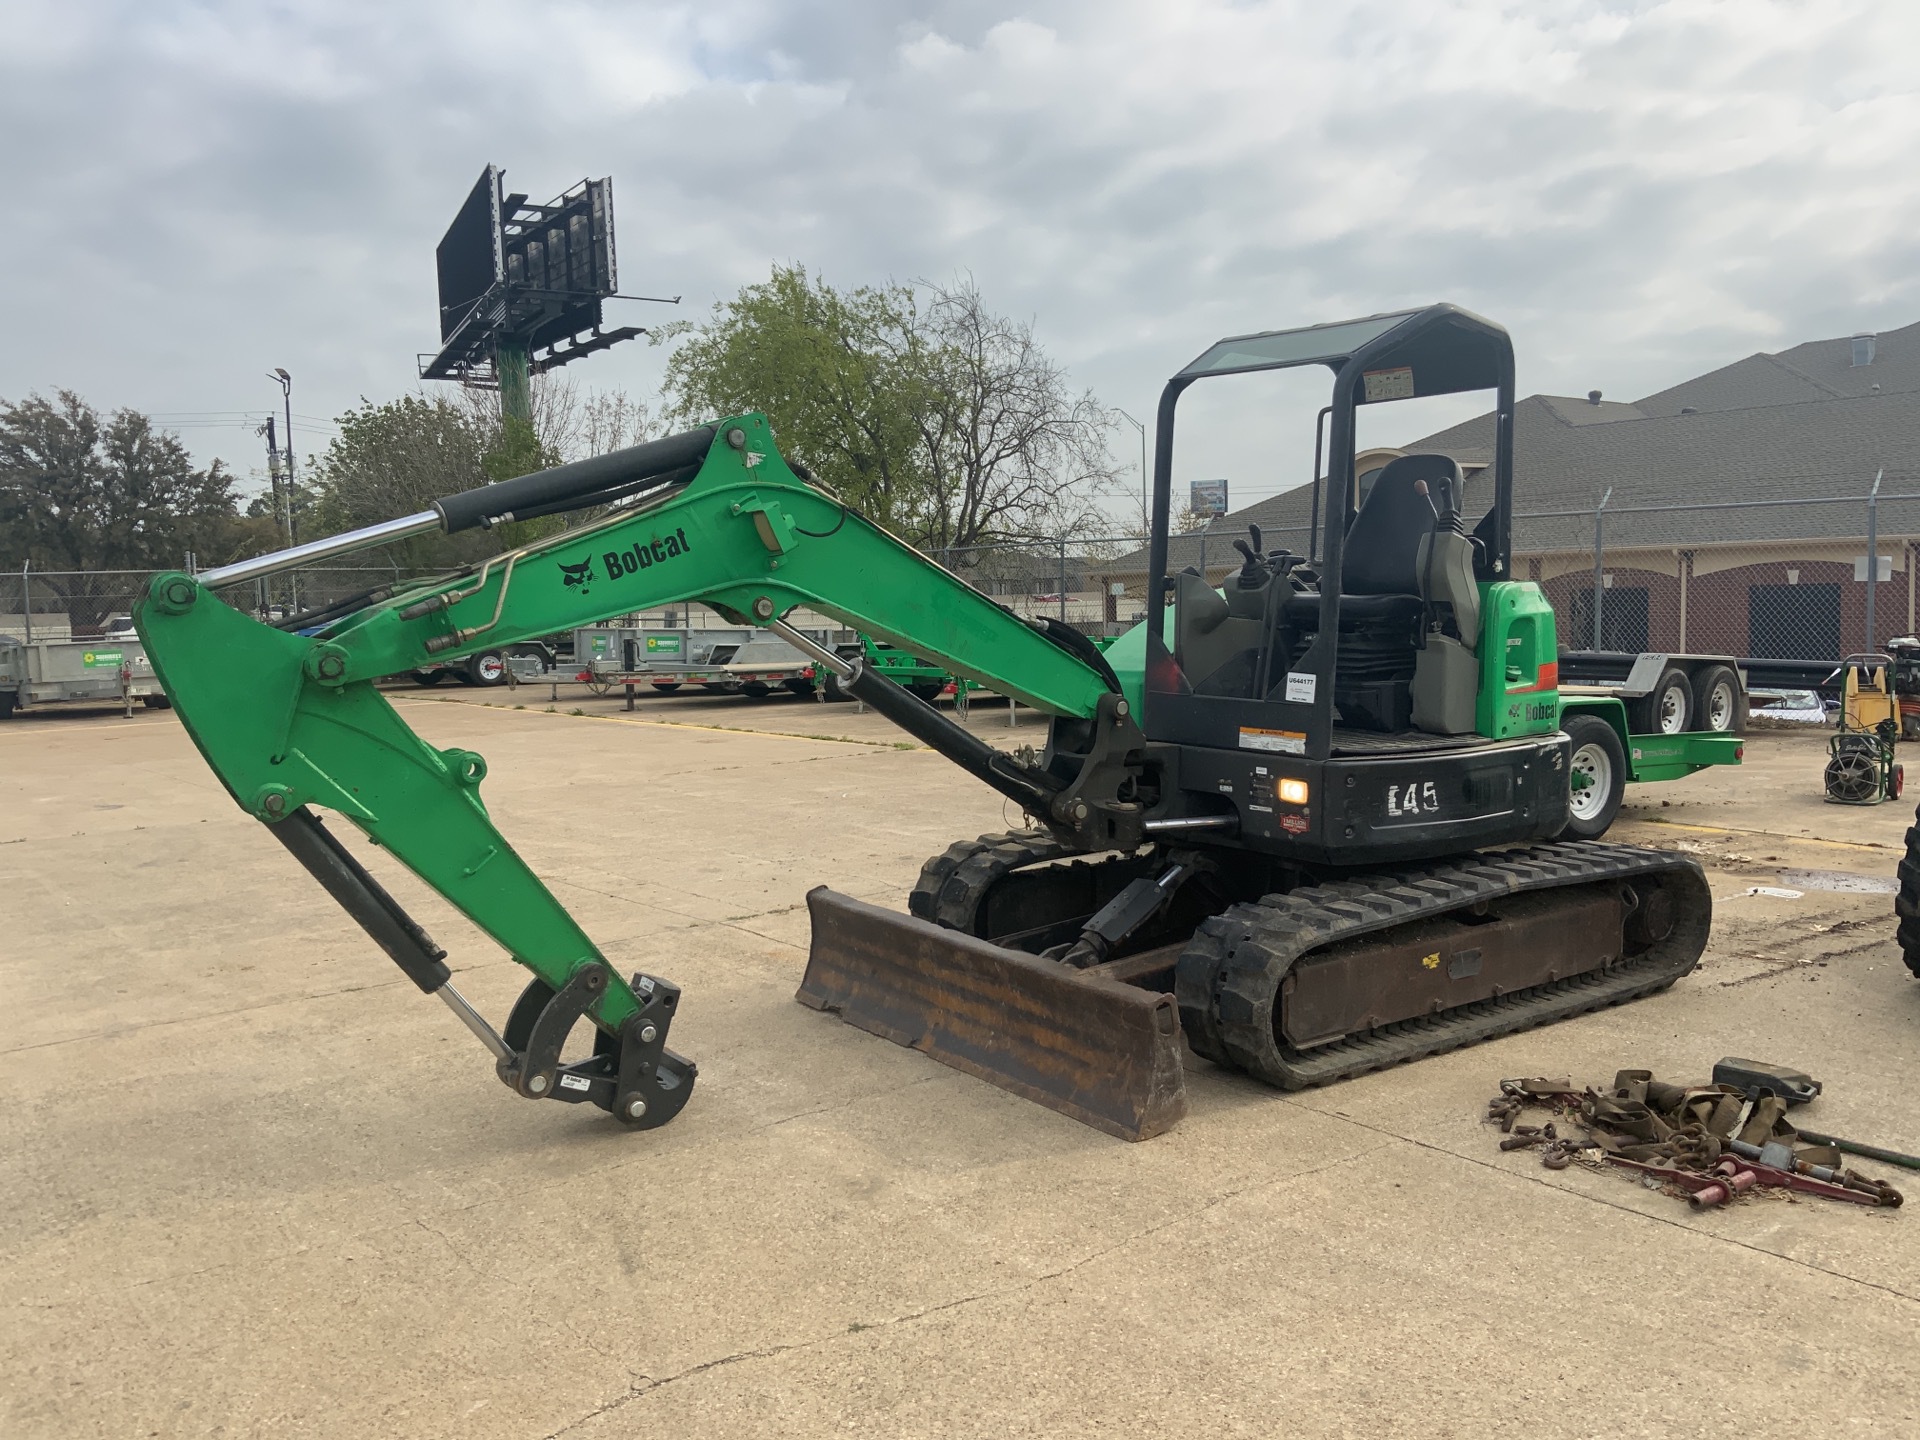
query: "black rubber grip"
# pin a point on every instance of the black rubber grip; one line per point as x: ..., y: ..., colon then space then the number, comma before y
x: 364, y: 898
x: 547, y: 490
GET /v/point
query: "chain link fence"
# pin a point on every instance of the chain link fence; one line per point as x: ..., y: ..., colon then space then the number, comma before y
x: 1780, y: 576
x: 1810, y: 578
x: 89, y: 604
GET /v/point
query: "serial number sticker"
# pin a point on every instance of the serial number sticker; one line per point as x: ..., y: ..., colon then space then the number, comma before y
x: 1282, y: 742
x: 1390, y: 384
x: 1301, y: 688
x: 575, y: 1082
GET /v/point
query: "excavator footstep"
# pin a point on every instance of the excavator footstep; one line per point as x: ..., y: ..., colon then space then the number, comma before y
x: 1090, y: 1047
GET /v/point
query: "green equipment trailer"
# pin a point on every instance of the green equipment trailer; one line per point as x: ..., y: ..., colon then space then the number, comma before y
x: 1605, y: 756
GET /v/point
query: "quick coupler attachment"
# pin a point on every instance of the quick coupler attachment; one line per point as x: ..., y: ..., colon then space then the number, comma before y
x: 631, y: 1075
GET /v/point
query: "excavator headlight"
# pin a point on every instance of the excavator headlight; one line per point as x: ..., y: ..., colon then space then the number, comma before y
x: 1293, y: 792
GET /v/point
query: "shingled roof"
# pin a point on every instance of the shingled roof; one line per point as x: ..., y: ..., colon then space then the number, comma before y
x: 1803, y: 423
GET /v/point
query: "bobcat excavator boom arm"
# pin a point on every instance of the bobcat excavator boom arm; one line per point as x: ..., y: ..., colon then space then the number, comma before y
x: 293, y: 721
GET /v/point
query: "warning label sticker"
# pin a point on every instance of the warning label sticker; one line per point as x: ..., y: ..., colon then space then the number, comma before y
x: 1281, y: 742
x: 1389, y: 384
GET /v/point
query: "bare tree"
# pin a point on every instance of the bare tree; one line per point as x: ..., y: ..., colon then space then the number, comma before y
x: 612, y: 420
x: 556, y: 413
x: 1012, y: 452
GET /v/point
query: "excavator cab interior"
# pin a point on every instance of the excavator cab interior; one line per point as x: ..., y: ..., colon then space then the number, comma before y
x: 1382, y: 633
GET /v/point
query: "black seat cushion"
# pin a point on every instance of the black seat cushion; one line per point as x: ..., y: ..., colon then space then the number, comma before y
x: 1358, y: 612
x: 1383, y: 544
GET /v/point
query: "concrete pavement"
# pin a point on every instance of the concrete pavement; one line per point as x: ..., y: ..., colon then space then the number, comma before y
x: 256, y: 1184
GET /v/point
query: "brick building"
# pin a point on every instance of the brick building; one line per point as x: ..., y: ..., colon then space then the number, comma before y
x: 1737, y: 520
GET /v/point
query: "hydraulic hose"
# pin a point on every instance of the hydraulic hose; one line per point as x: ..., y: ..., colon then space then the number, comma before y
x: 961, y: 746
x: 546, y: 491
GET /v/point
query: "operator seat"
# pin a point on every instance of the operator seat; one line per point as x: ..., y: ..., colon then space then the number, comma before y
x: 1380, y: 565
x: 1383, y: 609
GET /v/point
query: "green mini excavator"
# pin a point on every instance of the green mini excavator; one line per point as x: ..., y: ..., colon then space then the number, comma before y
x: 1304, y: 822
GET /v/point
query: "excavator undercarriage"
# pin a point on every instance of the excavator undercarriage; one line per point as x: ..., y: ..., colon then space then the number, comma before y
x: 1319, y: 981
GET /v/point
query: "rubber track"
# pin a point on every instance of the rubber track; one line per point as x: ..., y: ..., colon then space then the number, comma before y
x: 952, y: 884
x: 1906, y: 904
x: 1229, y: 976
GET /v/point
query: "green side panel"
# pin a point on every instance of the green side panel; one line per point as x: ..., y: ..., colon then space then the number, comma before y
x: 1519, y: 662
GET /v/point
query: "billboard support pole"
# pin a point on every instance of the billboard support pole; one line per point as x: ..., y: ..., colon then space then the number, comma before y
x: 516, y: 386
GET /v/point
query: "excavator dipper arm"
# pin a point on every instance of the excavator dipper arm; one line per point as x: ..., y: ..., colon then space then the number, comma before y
x: 291, y: 722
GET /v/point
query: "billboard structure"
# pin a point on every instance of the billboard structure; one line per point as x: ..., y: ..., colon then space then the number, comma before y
x: 1207, y: 497
x: 521, y: 287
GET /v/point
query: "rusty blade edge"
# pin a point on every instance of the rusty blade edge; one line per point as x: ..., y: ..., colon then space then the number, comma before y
x: 1100, y: 1052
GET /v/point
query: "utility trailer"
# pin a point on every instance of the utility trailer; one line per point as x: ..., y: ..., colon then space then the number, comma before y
x: 1665, y: 693
x: 1608, y: 755
x: 920, y: 677
x: 41, y: 672
x: 744, y: 661
x: 1635, y: 717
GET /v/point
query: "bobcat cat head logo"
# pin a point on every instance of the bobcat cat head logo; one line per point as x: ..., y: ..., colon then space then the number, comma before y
x: 580, y: 575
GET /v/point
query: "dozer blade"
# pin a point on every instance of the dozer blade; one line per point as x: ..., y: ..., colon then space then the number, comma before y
x: 1105, y: 1053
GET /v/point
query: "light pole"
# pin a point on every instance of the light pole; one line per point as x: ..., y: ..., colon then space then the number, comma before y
x: 1146, y: 513
x: 286, y: 397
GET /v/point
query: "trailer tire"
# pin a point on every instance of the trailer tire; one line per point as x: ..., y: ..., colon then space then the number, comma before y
x: 428, y: 677
x: 665, y: 687
x: 1667, y: 709
x: 8, y: 700
x: 756, y: 689
x: 802, y: 688
x: 1597, y: 753
x: 830, y: 686
x: 156, y: 702
x: 927, y: 690
x: 488, y: 668
x: 1716, y: 699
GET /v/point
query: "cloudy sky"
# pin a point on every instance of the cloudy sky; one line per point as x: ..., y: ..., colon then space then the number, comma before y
x: 1639, y: 189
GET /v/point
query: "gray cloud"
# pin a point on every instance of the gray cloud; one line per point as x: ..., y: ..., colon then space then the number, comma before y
x: 1641, y: 191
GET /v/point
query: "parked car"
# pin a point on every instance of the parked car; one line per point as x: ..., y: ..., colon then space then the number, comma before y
x: 1790, y: 707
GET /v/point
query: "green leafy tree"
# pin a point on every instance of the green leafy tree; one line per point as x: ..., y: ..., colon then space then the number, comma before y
x: 933, y: 416
x: 824, y: 366
x: 398, y: 457
x: 82, y: 491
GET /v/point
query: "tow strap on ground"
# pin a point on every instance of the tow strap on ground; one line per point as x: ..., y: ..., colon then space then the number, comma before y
x: 1708, y: 1142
